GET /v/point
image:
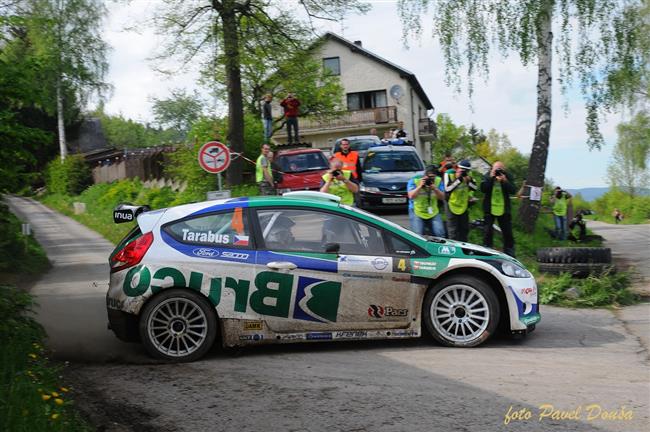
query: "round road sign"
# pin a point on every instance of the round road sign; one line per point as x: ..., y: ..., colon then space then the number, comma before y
x: 214, y: 157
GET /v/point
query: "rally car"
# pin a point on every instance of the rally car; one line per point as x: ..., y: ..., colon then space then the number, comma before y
x: 298, y: 268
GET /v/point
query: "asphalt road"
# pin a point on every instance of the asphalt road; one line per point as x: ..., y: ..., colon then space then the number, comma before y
x: 630, y: 246
x: 576, y: 358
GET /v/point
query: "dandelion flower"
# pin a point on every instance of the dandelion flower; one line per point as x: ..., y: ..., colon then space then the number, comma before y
x: 46, y: 397
x: 55, y: 394
x: 64, y: 389
x: 32, y: 355
x: 55, y: 416
x: 58, y: 401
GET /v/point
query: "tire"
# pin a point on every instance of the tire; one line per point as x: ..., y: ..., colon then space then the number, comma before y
x: 561, y: 255
x: 443, y: 302
x: 164, y: 326
x: 577, y: 269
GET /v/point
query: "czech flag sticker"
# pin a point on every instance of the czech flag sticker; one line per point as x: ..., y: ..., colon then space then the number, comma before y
x: 241, y: 240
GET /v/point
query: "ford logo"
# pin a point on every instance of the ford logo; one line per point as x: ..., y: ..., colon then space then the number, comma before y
x: 205, y: 252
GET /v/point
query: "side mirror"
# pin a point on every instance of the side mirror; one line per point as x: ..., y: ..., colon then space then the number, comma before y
x: 332, y: 247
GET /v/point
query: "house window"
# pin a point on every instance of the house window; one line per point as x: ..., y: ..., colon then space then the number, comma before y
x: 365, y: 100
x: 333, y: 64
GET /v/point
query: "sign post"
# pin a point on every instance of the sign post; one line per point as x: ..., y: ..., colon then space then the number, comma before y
x: 214, y: 157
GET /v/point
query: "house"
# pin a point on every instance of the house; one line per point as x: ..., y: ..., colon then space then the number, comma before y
x: 378, y: 94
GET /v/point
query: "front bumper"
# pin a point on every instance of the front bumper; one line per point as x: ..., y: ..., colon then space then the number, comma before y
x: 383, y: 200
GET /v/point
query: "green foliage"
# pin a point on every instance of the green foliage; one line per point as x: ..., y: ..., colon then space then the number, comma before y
x: 635, y: 209
x: 31, y: 395
x: 18, y: 254
x: 121, y: 132
x: 178, y: 112
x: 593, y: 291
x: 70, y: 176
x: 629, y: 170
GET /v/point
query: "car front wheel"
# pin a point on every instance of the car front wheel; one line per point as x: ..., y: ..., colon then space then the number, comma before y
x: 178, y: 325
x: 461, y: 311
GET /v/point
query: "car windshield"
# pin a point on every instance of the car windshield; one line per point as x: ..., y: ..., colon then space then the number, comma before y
x: 392, y: 161
x: 302, y: 162
x: 361, y: 144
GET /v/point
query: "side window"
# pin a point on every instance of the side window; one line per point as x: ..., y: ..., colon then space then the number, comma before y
x: 229, y: 229
x: 402, y: 248
x: 310, y: 230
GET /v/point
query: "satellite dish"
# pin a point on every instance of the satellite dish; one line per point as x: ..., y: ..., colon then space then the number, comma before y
x: 396, y: 92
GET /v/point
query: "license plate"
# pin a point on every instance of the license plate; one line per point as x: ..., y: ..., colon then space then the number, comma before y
x: 393, y: 200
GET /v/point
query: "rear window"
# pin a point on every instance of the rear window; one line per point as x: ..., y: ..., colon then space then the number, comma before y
x: 302, y: 162
x: 228, y: 229
x: 392, y: 161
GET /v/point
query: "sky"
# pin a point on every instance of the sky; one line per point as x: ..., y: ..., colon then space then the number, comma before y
x: 506, y: 102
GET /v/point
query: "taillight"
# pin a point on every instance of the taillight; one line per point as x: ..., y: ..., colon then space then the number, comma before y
x: 132, y: 253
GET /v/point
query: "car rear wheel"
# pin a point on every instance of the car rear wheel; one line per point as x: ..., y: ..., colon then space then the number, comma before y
x: 461, y: 311
x: 178, y: 325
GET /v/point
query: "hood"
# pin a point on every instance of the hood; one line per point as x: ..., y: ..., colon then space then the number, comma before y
x: 453, y: 248
x: 388, y: 178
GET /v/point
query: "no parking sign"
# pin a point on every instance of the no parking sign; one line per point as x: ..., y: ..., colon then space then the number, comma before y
x: 214, y: 157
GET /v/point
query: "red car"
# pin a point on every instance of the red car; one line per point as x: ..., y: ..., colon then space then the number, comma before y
x: 302, y: 169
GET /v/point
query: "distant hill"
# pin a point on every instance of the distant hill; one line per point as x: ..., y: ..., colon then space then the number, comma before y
x: 590, y: 194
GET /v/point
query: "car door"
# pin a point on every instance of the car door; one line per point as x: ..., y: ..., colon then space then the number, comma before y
x: 323, y: 270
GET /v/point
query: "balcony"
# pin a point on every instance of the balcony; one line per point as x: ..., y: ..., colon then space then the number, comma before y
x: 427, y: 128
x: 348, y: 119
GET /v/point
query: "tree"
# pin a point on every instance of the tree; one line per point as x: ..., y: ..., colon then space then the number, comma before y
x: 628, y: 170
x: 65, y: 39
x: 178, y: 112
x: 216, y: 29
x: 469, y: 30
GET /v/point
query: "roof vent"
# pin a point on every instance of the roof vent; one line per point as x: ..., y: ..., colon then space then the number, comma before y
x: 358, y: 43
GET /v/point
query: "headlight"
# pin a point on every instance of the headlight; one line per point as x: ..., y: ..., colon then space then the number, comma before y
x: 369, y: 189
x: 511, y: 269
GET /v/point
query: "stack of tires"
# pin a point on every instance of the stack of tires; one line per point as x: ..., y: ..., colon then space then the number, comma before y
x: 579, y: 261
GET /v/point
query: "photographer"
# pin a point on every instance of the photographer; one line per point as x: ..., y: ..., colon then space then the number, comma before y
x: 425, y: 193
x: 498, y: 185
x: 560, y: 200
x: 460, y: 187
x: 337, y: 182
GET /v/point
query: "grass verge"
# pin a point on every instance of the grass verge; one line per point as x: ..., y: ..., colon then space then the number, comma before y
x: 32, y: 397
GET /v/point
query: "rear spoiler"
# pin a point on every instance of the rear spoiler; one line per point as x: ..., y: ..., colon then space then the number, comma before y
x: 128, y: 213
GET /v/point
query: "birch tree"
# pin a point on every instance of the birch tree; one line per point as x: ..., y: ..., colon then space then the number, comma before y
x: 593, y: 38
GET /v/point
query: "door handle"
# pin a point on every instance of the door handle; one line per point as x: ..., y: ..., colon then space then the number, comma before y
x: 281, y: 265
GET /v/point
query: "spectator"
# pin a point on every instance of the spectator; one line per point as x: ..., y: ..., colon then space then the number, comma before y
x: 267, y: 117
x: 388, y: 136
x: 400, y: 132
x: 337, y: 182
x: 291, y: 105
x: 424, y: 192
x: 263, y: 175
x: 618, y: 216
x: 460, y: 187
x: 373, y: 131
x: 350, y: 159
x: 498, y: 185
x: 560, y: 200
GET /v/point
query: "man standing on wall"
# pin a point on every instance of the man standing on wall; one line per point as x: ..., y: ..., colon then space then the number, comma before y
x: 498, y: 185
x: 291, y: 105
x: 267, y: 117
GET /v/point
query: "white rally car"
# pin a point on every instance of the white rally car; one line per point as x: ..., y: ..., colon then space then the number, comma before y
x: 303, y: 267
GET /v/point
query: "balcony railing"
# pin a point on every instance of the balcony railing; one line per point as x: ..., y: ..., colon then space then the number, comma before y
x: 365, y: 117
x: 427, y: 127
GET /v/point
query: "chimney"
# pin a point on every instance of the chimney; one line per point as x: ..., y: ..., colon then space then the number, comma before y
x: 358, y: 43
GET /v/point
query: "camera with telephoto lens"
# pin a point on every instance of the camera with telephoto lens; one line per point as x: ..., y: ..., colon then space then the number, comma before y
x: 428, y: 181
x: 336, y: 173
x: 499, y: 172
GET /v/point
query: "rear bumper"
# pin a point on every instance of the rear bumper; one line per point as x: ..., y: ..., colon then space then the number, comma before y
x: 124, y: 325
